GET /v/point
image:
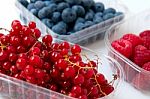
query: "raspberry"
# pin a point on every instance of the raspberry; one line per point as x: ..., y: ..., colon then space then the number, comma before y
x: 141, y: 55
x: 134, y: 39
x: 146, y: 41
x: 123, y: 46
x: 145, y: 33
x: 146, y: 66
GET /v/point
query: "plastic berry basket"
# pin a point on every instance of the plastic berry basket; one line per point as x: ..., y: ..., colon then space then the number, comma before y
x: 135, y: 75
x: 85, y: 36
x: 11, y: 88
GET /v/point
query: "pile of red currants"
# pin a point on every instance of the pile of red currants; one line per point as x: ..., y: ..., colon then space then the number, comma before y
x: 52, y: 65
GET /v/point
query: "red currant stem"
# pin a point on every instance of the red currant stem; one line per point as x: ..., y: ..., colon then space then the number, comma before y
x: 99, y: 86
x: 31, y: 47
x: 74, y: 64
x: 2, y: 46
x: 4, y: 29
x: 79, y: 71
x: 89, y: 93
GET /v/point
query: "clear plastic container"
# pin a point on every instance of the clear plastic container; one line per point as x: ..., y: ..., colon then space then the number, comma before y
x: 135, y: 75
x: 11, y: 88
x: 84, y: 36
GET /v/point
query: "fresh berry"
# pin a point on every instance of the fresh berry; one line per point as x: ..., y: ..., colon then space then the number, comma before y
x: 69, y: 15
x: 145, y: 33
x: 99, y: 7
x: 61, y: 6
x: 109, y: 10
x: 141, y: 55
x: 48, y: 22
x: 88, y: 3
x: 134, y: 39
x: 80, y: 11
x: 56, y: 17
x: 32, y: 25
x: 146, y: 66
x: 123, y: 46
x: 146, y: 41
x: 108, y: 16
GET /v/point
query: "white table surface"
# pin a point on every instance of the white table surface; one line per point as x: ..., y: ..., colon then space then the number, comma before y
x: 8, y: 13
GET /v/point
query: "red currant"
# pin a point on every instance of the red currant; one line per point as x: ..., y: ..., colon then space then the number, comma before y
x: 69, y: 72
x: 14, y: 69
x: 47, y: 39
x: 21, y: 63
x: 64, y: 45
x: 75, y: 49
x: 6, y: 65
x: 76, y: 89
x: 3, y: 55
x: 61, y: 64
x: 35, y: 51
x: 29, y: 70
x: 36, y: 33
x: 15, y: 40
x: 32, y: 25
x: 13, y: 57
x: 26, y: 31
x: 35, y: 61
x: 79, y: 79
x: 16, y: 25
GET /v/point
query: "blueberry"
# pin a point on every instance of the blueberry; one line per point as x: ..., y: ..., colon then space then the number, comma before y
x: 24, y: 2
x: 118, y: 13
x: 88, y: 3
x: 61, y: 6
x: 79, y: 26
x: 48, y: 22
x: 108, y: 16
x: 109, y: 10
x: 50, y: 9
x: 99, y: 7
x: 39, y: 5
x: 56, y: 17
x: 68, y: 15
x: 63, y: 24
x: 43, y: 12
x: 59, y: 28
x: 88, y: 23
x: 73, y: 2
x: 98, y: 14
x: 79, y: 10
x: 47, y: 3
x: 80, y: 20
x: 34, y: 12
x: 30, y: 6
x: 97, y: 20
x: 89, y: 15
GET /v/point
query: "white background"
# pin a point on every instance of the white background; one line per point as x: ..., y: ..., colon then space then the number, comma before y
x: 8, y: 13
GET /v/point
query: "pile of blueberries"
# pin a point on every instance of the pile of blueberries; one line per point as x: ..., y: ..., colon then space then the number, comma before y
x: 65, y: 17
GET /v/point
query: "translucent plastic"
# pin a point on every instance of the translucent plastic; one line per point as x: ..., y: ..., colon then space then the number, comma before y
x: 84, y: 36
x: 136, y: 76
x: 11, y: 88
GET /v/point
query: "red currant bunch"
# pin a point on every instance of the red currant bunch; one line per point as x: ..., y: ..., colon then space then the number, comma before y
x: 55, y: 66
